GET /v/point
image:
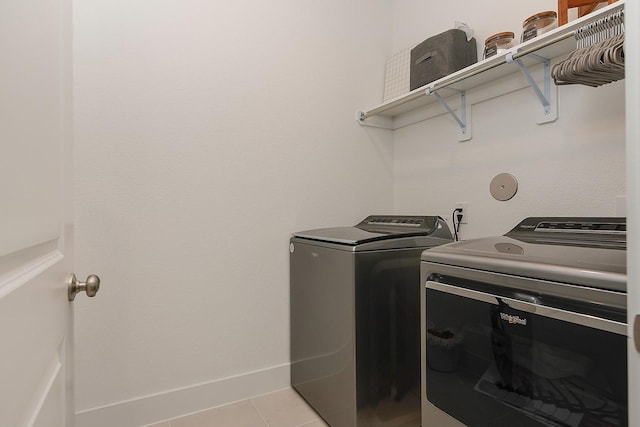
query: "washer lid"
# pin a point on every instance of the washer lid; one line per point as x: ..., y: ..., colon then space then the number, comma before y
x: 374, y: 228
x: 345, y: 235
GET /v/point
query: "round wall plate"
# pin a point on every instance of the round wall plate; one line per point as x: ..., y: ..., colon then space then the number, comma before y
x: 503, y: 186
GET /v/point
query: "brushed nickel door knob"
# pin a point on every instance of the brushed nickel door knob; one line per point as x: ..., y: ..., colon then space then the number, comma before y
x: 90, y: 286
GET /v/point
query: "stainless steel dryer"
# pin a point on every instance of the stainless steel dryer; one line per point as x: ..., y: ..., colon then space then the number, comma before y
x: 355, y: 318
x: 527, y: 329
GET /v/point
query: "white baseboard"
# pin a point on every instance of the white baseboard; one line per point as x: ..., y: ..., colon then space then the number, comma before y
x: 175, y: 403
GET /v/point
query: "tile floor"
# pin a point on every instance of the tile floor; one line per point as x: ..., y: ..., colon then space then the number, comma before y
x: 282, y: 408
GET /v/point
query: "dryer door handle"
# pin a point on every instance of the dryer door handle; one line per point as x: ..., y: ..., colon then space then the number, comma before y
x: 540, y: 310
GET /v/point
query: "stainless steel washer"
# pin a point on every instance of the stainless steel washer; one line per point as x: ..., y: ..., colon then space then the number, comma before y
x: 355, y: 318
x: 527, y: 329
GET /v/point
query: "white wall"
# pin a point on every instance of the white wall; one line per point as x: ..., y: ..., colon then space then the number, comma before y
x: 206, y: 133
x: 574, y: 166
x: 193, y: 117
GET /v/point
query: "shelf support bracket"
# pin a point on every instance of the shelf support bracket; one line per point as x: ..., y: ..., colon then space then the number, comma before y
x: 547, y: 99
x: 464, y: 133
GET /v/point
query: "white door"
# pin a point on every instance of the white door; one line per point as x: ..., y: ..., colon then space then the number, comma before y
x: 632, y: 98
x: 35, y: 213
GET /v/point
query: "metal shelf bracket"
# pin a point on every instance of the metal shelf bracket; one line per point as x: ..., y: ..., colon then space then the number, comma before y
x: 463, y: 121
x: 545, y: 95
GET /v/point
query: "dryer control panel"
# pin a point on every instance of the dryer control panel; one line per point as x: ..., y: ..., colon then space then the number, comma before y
x: 582, y: 231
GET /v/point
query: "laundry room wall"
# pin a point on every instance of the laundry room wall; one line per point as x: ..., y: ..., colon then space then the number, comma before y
x: 574, y: 166
x: 205, y: 134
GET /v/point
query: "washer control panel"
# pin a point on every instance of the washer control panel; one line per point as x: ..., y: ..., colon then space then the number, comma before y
x: 417, y: 223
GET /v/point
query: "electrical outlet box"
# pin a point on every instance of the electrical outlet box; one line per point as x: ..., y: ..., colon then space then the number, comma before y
x: 465, y: 211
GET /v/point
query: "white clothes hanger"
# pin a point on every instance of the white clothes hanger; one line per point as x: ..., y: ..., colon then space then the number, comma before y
x: 599, y: 56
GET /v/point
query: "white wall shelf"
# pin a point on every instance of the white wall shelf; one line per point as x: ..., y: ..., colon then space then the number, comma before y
x: 554, y: 44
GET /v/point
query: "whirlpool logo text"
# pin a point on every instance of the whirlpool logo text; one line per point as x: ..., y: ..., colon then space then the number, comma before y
x: 514, y: 320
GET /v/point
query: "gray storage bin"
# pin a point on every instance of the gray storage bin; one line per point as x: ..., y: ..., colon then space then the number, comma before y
x: 441, y: 55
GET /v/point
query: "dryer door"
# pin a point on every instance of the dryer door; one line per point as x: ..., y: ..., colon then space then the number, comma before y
x: 494, y: 360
